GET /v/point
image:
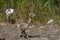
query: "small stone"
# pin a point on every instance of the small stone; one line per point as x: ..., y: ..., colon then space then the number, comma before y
x: 18, y: 25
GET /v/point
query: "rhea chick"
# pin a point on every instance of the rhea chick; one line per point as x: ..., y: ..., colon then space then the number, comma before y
x: 50, y: 22
x: 24, y: 26
x: 9, y: 14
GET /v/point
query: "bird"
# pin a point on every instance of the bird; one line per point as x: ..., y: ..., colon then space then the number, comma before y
x: 50, y: 22
x: 25, y: 26
x: 9, y: 14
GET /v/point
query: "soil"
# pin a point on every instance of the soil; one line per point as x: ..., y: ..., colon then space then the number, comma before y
x: 41, y: 32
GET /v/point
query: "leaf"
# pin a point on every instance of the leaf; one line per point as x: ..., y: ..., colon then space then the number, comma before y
x: 46, y: 3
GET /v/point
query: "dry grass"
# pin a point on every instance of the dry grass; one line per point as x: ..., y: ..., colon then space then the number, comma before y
x: 23, y: 7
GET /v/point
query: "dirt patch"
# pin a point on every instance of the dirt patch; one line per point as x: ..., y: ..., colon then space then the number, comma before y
x: 10, y: 32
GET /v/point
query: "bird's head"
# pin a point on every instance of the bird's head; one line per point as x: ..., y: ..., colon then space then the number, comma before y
x: 31, y: 15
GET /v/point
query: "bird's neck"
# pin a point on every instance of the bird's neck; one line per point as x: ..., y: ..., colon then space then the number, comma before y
x: 29, y: 20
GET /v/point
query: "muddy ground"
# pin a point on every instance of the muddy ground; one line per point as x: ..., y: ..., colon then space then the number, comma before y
x: 11, y: 32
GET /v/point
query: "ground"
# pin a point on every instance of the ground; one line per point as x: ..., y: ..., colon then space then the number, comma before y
x: 41, y: 32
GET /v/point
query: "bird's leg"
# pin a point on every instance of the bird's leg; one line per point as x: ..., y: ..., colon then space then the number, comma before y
x: 24, y: 34
x: 9, y: 20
